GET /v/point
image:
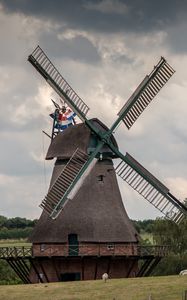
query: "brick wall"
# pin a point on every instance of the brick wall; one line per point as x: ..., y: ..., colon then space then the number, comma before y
x: 89, y: 249
x: 89, y: 268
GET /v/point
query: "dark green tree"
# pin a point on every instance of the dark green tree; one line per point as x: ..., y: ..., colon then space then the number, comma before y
x: 166, y: 232
x: 2, y: 221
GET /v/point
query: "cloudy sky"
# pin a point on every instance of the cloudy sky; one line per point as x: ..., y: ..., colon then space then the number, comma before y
x: 104, y: 48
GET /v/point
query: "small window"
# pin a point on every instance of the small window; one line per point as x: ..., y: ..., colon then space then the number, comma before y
x: 42, y: 247
x: 100, y: 178
x: 110, y: 247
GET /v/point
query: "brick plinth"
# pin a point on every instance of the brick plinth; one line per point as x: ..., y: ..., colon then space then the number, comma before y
x: 88, y: 268
x: 86, y: 261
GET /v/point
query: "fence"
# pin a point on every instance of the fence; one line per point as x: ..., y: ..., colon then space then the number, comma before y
x: 84, y: 250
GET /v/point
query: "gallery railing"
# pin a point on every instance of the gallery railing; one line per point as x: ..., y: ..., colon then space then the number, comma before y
x: 83, y: 250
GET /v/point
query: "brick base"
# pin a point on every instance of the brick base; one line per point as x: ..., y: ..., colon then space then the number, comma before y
x: 53, y: 269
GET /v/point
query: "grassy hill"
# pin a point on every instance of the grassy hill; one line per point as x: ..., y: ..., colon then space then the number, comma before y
x: 14, y: 243
x: 161, y: 288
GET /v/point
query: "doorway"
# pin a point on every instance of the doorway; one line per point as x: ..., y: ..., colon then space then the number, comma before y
x: 73, y: 244
x: 70, y: 276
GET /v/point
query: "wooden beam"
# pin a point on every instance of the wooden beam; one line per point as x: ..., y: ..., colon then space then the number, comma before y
x: 35, y: 269
x: 131, y: 267
x: 53, y: 260
x: 43, y: 270
x: 16, y: 270
x: 82, y: 267
x: 109, y: 264
x: 96, y: 265
x: 144, y: 267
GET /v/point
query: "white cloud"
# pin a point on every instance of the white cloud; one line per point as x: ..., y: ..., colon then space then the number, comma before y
x: 22, y: 197
x: 178, y: 185
x: 136, y: 206
x: 6, y: 180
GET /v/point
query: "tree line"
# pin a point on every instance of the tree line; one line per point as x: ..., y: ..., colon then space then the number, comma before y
x: 16, y: 228
x: 20, y: 228
x: 166, y: 232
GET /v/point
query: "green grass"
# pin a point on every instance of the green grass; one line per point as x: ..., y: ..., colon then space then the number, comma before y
x: 160, y: 288
x: 14, y: 243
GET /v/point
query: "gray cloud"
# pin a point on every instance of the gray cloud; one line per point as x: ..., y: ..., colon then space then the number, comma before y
x: 140, y: 15
x: 104, y: 49
x: 78, y: 48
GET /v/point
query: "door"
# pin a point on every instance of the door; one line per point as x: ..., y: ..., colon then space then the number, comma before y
x: 70, y: 276
x: 73, y: 244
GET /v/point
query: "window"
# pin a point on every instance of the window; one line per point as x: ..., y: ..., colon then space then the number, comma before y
x: 100, y: 178
x: 110, y: 247
x: 42, y: 247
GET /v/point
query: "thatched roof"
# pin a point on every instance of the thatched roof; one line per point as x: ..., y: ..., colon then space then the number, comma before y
x: 79, y: 136
x: 96, y: 214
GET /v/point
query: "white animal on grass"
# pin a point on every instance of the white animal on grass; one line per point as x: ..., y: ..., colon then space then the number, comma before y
x: 105, y: 277
x: 183, y: 272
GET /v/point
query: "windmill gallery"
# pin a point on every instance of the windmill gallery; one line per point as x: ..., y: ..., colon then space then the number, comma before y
x: 84, y: 230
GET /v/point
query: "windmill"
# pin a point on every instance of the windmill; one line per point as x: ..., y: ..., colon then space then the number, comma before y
x: 84, y: 230
x: 80, y: 164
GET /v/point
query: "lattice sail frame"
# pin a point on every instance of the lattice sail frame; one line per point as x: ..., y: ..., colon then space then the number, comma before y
x: 145, y: 92
x: 69, y: 182
x: 63, y: 190
x: 150, y: 188
x: 46, y: 68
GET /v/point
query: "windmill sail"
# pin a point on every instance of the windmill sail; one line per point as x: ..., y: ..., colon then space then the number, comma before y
x: 45, y: 67
x: 151, y: 188
x: 145, y: 92
x: 66, y: 185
